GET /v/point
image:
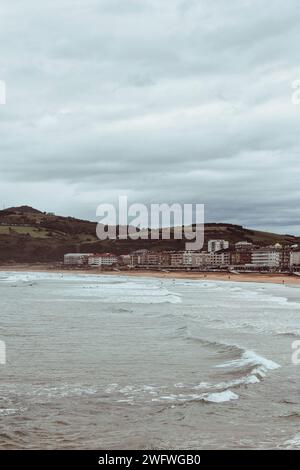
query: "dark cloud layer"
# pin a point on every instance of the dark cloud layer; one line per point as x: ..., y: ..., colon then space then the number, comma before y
x: 165, y: 101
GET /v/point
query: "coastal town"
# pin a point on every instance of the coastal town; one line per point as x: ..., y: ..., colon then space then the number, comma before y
x: 220, y: 255
x: 44, y: 240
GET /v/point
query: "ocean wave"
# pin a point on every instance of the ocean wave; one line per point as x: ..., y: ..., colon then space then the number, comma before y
x: 11, y: 411
x: 245, y: 358
x: 287, y: 333
x: 161, y: 394
x: 247, y: 366
x: 255, y: 366
x: 235, y: 383
x: 131, y: 394
x: 216, y: 345
x: 293, y: 443
x: 217, y: 397
x: 292, y: 415
x: 60, y: 391
x: 171, y: 299
x: 106, y: 289
x: 250, y: 358
x: 221, y: 397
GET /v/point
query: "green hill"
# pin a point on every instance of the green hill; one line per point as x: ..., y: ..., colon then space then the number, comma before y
x: 29, y: 235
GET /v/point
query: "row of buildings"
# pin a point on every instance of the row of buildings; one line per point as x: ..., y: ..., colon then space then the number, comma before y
x: 90, y: 259
x: 243, y: 256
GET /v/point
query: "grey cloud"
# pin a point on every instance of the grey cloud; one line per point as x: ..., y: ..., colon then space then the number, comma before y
x: 165, y: 101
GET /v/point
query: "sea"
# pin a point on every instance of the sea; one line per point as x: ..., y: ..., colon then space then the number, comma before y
x: 128, y: 362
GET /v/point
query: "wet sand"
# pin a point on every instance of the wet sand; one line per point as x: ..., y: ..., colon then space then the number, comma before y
x: 214, y: 276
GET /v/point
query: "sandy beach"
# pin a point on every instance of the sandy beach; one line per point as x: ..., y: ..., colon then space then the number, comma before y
x: 214, y: 276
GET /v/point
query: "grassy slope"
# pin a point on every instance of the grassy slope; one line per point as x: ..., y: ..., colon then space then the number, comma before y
x: 31, y: 236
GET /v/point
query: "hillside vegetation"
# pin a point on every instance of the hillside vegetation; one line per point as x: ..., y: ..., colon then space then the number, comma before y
x: 28, y: 235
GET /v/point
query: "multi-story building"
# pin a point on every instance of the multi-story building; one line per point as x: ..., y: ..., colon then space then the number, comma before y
x: 176, y: 259
x: 242, y: 247
x: 217, y: 245
x: 138, y: 257
x: 164, y: 258
x: 266, y: 257
x: 242, y: 253
x: 103, y: 259
x: 240, y: 257
x: 76, y: 259
x: 152, y: 259
x: 187, y: 258
x: 295, y: 258
x: 201, y: 260
x: 184, y: 259
x: 220, y: 258
x: 285, y: 257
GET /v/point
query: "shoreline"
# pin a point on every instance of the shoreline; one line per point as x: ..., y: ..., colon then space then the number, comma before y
x: 208, y: 276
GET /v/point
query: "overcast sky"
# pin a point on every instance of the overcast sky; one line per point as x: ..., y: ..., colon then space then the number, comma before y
x: 162, y: 100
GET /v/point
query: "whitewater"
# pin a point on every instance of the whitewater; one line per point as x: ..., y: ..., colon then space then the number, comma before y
x: 104, y: 362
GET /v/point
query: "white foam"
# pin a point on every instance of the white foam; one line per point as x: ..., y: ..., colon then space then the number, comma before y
x: 293, y: 443
x: 126, y: 292
x: 107, y: 289
x: 260, y: 294
x: 221, y: 397
x: 131, y: 393
x: 64, y: 390
x: 216, y: 397
x: 250, y: 358
x: 11, y: 411
x: 247, y: 380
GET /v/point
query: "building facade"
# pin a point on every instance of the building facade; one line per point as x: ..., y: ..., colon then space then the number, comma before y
x: 295, y: 258
x: 266, y: 257
x: 217, y: 245
x: 138, y: 257
x: 201, y: 260
x: 220, y: 258
x: 243, y: 247
x: 241, y: 257
x: 176, y: 259
x: 105, y: 259
x: 76, y: 259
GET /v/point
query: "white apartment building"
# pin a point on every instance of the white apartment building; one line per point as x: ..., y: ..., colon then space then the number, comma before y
x: 106, y: 259
x: 138, y: 257
x: 201, y: 259
x: 220, y: 258
x: 76, y: 259
x: 187, y: 258
x: 176, y: 259
x: 217, y: 245
x: 152, y: 259
x: 192, y: 259
x: 295, y: 258
x: 266, y: 257
x: 182, y: 258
